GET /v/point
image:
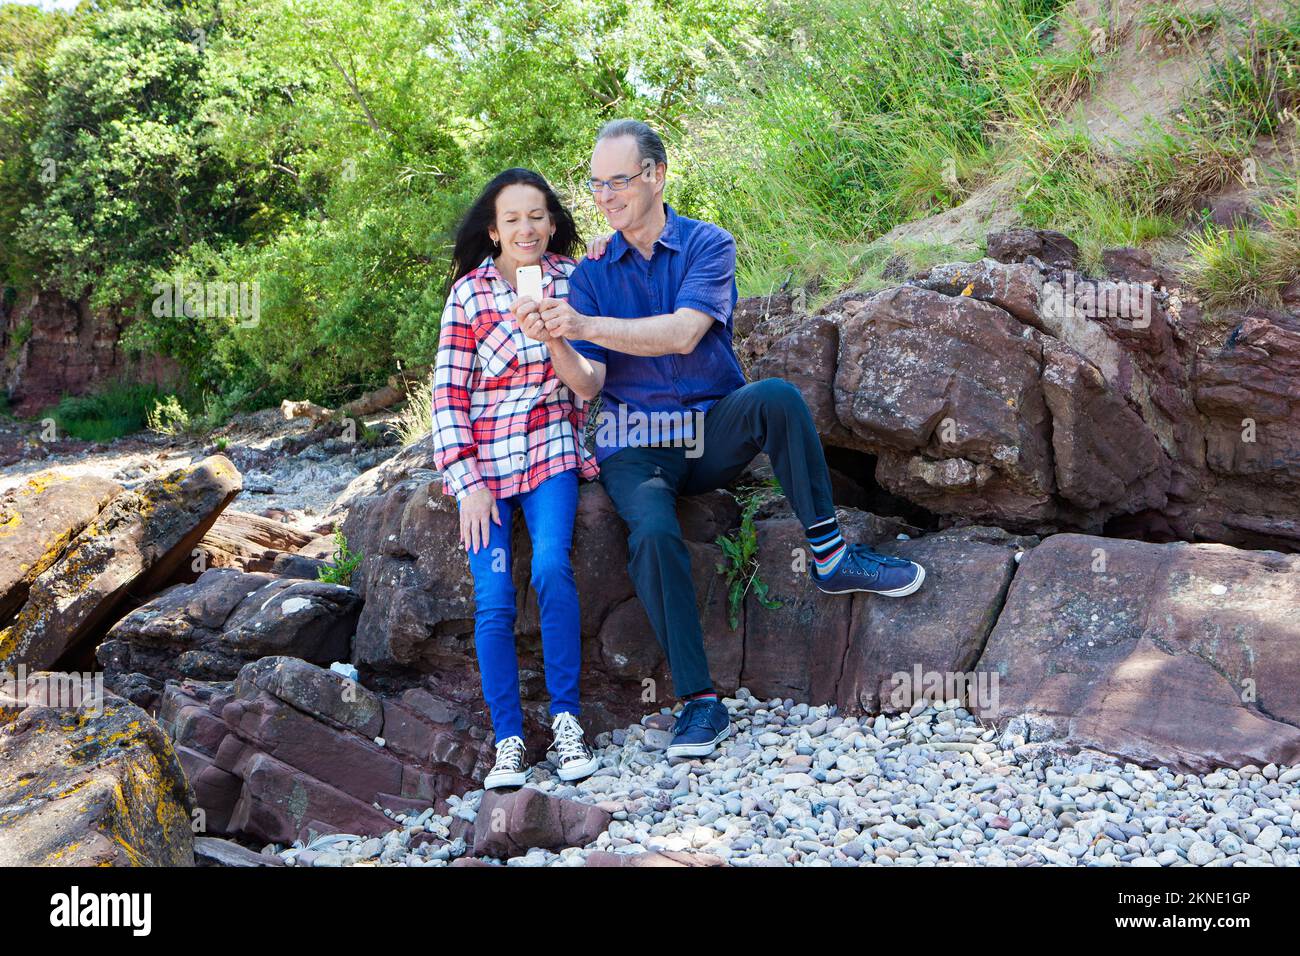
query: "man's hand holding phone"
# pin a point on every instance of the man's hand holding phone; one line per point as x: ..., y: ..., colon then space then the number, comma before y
x: 527, y: 314
x: 561, y: 321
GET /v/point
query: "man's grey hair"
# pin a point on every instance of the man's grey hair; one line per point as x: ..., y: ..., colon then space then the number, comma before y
x: 648, y: 142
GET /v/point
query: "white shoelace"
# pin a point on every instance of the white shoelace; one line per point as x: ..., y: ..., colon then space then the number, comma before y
x: 510, y: 755
x: 569, y: 744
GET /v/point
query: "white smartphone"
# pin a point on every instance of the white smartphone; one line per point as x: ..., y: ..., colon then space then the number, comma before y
x: 529, y: 279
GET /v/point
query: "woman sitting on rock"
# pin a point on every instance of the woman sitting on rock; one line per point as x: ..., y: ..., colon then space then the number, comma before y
x: 507, y: 433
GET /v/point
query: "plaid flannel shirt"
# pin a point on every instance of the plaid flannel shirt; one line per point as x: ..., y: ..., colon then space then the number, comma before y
x: 502, y: 420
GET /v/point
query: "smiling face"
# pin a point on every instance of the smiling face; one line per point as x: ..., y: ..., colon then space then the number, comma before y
x: 619, y: 156
x: 523, y: 227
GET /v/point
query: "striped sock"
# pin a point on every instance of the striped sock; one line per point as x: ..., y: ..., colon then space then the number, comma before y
x: 827, y: 546
x: 703, y: 695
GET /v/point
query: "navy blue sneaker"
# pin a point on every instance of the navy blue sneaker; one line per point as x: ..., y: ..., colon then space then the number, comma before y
x: 862, y: 569
x: 700, y: 725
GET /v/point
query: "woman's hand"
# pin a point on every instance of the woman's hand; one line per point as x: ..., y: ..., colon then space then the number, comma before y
x: 598, y: 246
x: 476, y: 509
x: 530, y: 319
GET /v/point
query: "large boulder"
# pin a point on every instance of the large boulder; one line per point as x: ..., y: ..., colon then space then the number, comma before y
x: 134, y: 544
x: 1248, y: 390
x: 417, y: 622
x: 1018, y: 391
x: 945, y: 390
x: 1182, y: 655
x: 289, y: 748
x: 38, y: 518
x: 973, y: 413
x: 248, y: 542
x: 850, y: 650
x: 87, y: 779
x: 210, y: 629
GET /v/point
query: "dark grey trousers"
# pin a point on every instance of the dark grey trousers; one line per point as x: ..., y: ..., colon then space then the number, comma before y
x: 644, y: 483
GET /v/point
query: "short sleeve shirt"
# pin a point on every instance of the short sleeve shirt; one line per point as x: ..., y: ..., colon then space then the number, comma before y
x: 693, y: 265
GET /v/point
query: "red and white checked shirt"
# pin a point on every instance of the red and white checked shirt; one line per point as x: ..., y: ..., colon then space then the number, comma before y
x: 502, y: 420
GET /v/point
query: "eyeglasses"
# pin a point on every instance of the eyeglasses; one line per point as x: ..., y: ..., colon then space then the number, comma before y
x: 618, y: 183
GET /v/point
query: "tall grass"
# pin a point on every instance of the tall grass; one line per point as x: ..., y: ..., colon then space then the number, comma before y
x: 415, y: 421
x: 1241, y: 265
x: 1105, y: 196
x: 118, y: 409
x: 877, y: 112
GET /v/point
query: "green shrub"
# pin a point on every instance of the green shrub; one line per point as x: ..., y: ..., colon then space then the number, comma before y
x: 167, y: 417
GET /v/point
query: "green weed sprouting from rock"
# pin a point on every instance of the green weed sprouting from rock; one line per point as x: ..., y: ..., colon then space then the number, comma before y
x: 740, y: 558
x: 344, y: 562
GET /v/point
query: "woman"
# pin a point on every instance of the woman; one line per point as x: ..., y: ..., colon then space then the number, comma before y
x: 507, y: 434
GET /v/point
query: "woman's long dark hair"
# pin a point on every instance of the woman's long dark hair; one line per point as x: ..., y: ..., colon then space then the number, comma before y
x: 473, y: 243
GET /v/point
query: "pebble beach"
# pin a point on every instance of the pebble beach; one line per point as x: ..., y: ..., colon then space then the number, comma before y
x: 804, y: 786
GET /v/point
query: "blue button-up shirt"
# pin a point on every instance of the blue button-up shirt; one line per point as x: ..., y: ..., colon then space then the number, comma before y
x: 692, y: 265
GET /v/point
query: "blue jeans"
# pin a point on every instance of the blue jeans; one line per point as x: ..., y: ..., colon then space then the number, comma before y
x: 549, y: 510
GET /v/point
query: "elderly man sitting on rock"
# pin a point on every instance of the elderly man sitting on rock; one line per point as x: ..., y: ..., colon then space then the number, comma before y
x: 648, y: 326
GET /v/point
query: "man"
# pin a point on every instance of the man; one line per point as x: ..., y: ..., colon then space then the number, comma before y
x: 648, y: 326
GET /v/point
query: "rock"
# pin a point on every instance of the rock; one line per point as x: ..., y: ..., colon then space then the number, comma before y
x: 209, y: 629
x: 806, y: 357
x: 248, y: 542
x: 211, y: 851
x: 290, y: 747
x: 1129, y: 264
x: 972, y: 413
x: 134, y: 543
x: 1103, y: 452
x: 314, y: 690
x: 300, y: 566
x: 897, y: 649
x: 1200, y: 853
x: 1249, y: 393
x: 510, y: 823
x: 1119, y: 646
x: 820, y: 647
x: 87, y: 780
x: 419, y: 603
x: 1017, y: 245
x: 37, y: 520
x: 1016, y: 288
x: 1234, y: 212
